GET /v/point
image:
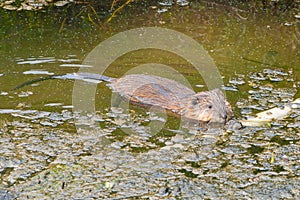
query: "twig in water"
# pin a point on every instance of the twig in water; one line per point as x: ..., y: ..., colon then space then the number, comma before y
x: 117, y: 10
x: 62, y: 25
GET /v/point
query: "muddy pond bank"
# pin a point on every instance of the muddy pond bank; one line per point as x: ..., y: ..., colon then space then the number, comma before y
x: 117, y: 153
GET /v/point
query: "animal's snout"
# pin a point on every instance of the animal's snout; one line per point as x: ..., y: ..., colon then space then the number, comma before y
x: 223, y: 116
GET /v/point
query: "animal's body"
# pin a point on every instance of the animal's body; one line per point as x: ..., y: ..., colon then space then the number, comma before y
x: 148, y: 90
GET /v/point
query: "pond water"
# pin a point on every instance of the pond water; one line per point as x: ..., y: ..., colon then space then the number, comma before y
x: 134, y: 153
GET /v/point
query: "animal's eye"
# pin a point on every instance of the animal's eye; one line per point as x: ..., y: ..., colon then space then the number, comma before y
x: 210, y: 106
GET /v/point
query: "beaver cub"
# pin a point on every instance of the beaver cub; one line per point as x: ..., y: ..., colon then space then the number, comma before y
x: 148, y: 90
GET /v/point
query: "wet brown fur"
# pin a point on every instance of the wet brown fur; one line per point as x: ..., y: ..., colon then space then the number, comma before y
x: 148, y: 90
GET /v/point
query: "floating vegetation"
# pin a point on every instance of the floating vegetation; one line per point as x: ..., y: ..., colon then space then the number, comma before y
x: 38, y: 72
x: 264, y: 95
x: 115, y: 143
x: 48, y: 60
x: 31, y: 5
x: 113, y: 154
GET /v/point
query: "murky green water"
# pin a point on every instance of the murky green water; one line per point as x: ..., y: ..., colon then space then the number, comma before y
x: 44, y: 156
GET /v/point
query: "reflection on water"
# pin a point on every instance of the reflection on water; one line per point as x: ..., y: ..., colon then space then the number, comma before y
x: 42, y: 152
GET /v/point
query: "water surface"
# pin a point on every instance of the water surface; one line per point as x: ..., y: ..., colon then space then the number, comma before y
x: 43, y: 155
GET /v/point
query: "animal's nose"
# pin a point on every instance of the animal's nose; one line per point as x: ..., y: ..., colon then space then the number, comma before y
x: 222, y: 117
x: 226, y: 116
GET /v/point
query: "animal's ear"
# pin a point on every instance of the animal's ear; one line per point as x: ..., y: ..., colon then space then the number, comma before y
x: 195, y: 100
x: 199, y: 97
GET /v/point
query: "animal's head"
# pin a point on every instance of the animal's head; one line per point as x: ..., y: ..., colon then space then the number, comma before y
x: 210, y: 107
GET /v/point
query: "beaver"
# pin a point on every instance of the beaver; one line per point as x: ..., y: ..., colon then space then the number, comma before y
x: 149, y: 90
x: 207, y: 107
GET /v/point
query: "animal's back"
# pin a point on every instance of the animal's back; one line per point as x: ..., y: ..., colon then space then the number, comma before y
x: 151, y: 90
